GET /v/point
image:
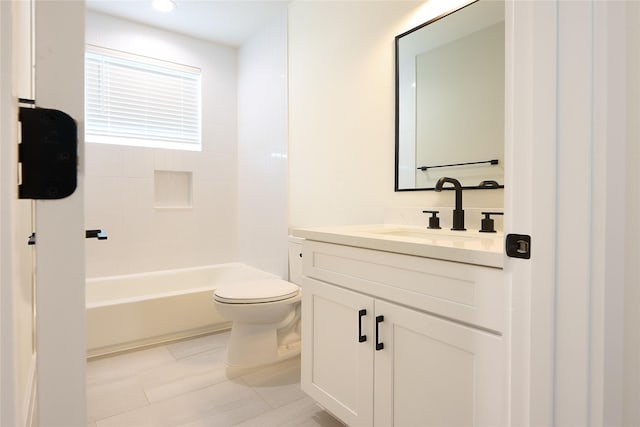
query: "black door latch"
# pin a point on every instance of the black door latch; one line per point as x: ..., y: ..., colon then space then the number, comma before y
x: 518, y: 246
x: 48, y: 154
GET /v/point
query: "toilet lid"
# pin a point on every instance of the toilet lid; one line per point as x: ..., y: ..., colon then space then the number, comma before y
x: 266, y: 290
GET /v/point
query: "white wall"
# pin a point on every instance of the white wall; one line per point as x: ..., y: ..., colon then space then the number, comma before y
x: 120, y: 180
x: 341, y: 123
x: 262, y: 149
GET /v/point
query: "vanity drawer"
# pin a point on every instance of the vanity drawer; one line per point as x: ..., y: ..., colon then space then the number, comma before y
x: 465, y: 293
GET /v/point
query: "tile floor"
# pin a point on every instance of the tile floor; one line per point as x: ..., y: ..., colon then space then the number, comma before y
x: 186, y: 384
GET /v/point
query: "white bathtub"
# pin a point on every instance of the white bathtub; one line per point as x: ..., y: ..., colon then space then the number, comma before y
x: 125, y: 312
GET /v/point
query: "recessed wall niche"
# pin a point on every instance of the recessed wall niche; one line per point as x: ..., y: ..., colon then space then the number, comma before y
x: 173, y: 189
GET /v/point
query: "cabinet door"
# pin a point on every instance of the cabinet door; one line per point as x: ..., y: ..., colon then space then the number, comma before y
x: 433, y: 372
x: 337, y: 366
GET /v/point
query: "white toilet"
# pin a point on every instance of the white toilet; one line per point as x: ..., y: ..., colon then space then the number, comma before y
x: 265, y: 316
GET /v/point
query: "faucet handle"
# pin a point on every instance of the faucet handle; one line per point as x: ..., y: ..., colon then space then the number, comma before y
x: 487, y: 222
x: 489, y: 184
x: 434, y: 221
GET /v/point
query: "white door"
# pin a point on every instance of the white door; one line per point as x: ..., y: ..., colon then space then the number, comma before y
x: 565, y: 156
x: 337, y: 364
x: 17, y: 350
x: 433, y: 372
x: 43, y: 355
x: 530, y: 200
x: 59, y: 225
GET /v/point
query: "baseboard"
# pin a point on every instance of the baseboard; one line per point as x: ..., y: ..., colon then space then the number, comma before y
x: 96, y: 353
x: 29, y: 400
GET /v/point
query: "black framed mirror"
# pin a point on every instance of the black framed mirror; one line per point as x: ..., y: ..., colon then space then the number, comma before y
x: 450, y: 99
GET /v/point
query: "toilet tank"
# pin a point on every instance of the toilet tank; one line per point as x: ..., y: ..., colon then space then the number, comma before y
x: 295, y: 259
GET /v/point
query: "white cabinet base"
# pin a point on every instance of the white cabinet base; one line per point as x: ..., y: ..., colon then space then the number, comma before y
x: 433, y: 372
x: 337, y: 370
x: 431, y: 369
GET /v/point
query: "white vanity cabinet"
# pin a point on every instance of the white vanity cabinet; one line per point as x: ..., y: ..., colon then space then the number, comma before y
x: 337, y: 369
x: 420, y: 364
x: 432, y: 372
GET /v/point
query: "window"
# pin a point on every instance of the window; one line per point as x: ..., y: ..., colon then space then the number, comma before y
x: 139, y: 101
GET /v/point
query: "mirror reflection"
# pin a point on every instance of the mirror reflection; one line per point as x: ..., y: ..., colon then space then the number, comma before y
x: 450, y: 99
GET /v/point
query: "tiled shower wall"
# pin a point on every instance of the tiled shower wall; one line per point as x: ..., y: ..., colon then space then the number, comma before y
x: 262, y: 149
x: 147, y: 231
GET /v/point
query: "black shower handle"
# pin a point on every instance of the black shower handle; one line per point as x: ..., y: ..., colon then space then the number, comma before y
x: 96, y: 234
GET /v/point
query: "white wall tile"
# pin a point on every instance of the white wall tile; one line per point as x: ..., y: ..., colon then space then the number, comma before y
x: 103, y: 160
x: 262, y: 149
x: 137, y: 162
x: 172, y: 189
x: 140, y: 237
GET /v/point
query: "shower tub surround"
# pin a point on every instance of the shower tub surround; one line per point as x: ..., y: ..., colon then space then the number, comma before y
x: 135, y: 310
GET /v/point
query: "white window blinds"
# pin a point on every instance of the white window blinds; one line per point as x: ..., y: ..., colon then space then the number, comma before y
x: 134, y: 100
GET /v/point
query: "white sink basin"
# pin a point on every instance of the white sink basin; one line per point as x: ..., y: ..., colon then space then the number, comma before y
x: 423, y: 234
x: 468, y: 246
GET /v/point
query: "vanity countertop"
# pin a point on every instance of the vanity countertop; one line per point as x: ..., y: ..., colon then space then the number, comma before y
x: 469, y: 247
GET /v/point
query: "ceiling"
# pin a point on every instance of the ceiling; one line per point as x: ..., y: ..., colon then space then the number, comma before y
x: 229, y: 22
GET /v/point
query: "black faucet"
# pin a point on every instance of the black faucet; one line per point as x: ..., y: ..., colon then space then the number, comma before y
x: 458, y: 213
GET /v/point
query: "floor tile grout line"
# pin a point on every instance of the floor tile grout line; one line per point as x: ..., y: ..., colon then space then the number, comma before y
x: 257, y: 384
x: 259, y: 397
x: 136, y: 376
x: 190, y: 390
x: 199, y: 352
x: 243, y: 383
x: 222, y: 346
x: 148, y: 403
x: 120, y: 413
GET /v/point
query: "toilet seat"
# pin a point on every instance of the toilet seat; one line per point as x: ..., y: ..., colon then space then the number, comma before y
x: 255, y: 292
